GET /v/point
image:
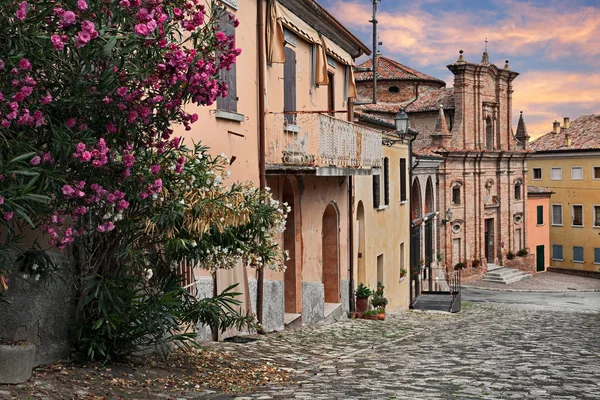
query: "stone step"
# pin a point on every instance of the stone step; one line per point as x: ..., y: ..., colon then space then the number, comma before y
x: 505, y: 275
x: 292, y: 320
x: 332, y: 312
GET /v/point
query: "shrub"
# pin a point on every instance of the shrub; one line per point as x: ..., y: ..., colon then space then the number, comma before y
x: 362, y: 291
x: 459, y: 266
x: 522, y: 252
x: 510, y: 255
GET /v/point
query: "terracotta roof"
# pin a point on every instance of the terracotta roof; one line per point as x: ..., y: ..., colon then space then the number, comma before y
x: 391, y: 108
x: 389, y: 69
x: 538, y: 190
x: 370, y: 119
x: 427, y: 152
x: 431, y: 101
x: 584, y: 133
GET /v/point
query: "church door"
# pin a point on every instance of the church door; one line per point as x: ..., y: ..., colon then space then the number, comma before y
x: 489, y: 241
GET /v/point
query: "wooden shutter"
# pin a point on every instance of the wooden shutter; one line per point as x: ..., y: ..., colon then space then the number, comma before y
x: 403, y: 179
x: 228, y: 103
x: 540, y: 215
x: 386, y: 181
x: 376, y: 188
x: 289, y: 84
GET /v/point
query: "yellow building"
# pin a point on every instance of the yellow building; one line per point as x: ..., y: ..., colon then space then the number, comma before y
x: 567, y: 161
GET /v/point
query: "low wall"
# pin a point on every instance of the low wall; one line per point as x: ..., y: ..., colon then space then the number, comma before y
x: 586, y: 274
x: 525, y: 263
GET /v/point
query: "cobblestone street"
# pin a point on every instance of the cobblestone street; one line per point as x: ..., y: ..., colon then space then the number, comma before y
x: 487, y: 351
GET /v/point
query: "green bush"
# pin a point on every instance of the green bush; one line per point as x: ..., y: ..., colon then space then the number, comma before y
x: 362, y: 291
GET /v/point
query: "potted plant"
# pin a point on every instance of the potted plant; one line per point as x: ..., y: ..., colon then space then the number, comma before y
x: 510, y: 255
x: 522, y: 252
x: 352, y: 314
x: 381, y: 312
x: 371, y: 314
x: 378, y: 300
x: 475, y: 263
x: 459, y: 266
x: 362, y: 294
x: 403, y: 272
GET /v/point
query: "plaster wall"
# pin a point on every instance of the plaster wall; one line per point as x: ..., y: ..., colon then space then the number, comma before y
x: 385, y: 230
x: 568, y: 192
x: 539, y: 235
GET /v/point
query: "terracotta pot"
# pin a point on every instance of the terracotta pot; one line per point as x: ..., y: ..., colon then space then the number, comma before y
x: 372, y: 317
x: 381, y: 317
x: 352, y: 315
x: 362, y: 303
x: 359, y: 315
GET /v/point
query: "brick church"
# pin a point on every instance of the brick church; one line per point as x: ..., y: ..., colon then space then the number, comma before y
x: 481, y: 187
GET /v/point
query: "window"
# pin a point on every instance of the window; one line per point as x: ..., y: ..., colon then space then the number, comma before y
x: 577, y: 215
x: 518, y: 243
x: 576, y: 173
x: 456, y: 194
x: 402, y: 264
x: 577, y: 254
x: 376, y: 191
x: 596, y: 256
x: 556, y: 174
x: 596, y: 216
x: 403, y: 179
x: 518, y: 191
x: 537, y: 173
x: 331, y: 94
x: 557, y: 252
x: 229, y: 102
x: 386, y: 181
x: 380, y: 270
x: 596, y: 172
x: 394, y: 89
x: 289, y: 85
x: 557, y: 218
x: 489, y: 134
x: 540, y: 215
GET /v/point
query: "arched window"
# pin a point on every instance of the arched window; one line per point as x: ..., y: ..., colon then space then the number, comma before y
x: 518, y: 187
x: 386, y: 181
x: 415, y: 199
x: 429, y: 197
x: 489, y: 134
x: 456, y: 194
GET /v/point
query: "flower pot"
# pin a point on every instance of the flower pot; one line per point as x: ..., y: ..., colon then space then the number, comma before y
x: 16, y: 362
x: 359, y: 315
x: 372, y: 317
x: 382, y: 317
x: 352, y: 314
x: 362, y: 303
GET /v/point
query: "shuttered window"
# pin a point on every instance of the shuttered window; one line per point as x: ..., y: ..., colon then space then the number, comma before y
x: 577, y: 215
x: 229, y: 102
x: 557, y: 252
x: 596, y: 256
x: 540, y: 215
x: 386, y: 181
x: 578, y: 253
x: 556, y: 174
x: 376, y: 189
x: 557, y: 218
x: 576, y: 173
x: 289, y: 85
x: 403, y: 179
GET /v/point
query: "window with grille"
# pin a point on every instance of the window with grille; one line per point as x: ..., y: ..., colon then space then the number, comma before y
x: 577, y: 253
x: 557, y: 218
x: 577, y: 215
x: 557, y: 252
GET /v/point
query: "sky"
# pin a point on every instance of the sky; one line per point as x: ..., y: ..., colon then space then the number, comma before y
x: 554, y: 45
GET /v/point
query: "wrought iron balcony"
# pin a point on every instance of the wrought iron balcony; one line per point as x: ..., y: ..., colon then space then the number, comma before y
x: 320, y: 143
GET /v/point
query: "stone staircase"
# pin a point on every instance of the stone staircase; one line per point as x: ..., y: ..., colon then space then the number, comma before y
x: 505, y: 275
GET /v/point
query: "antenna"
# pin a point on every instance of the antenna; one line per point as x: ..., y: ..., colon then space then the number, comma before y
x: 374, y: 67
x: 486, y: 42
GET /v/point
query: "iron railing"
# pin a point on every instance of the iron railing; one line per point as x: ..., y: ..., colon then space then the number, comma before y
x: 321, y: 140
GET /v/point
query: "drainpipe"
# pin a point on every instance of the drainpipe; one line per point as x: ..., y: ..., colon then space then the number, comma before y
x: 410, y: 242
x: 351, y: 242
x: 261, y: 137
x: 374, y: 68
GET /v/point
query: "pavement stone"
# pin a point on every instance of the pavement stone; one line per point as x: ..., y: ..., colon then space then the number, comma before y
x: 487, y: 351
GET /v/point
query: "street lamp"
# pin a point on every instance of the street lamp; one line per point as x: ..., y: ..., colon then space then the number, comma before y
x: 402, y: 129
x: 448, y: 217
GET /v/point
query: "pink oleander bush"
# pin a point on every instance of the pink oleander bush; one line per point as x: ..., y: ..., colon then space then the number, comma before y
x: 90, y: 92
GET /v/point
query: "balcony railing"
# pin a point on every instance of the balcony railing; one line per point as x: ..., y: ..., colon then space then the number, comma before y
x: 320, y: 140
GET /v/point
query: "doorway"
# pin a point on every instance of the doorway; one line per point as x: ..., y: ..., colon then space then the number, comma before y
x: 360, y: 233
x: 330, y: 255
x: 290, y: 278
x: 539, y: 258
x: 490, y: 253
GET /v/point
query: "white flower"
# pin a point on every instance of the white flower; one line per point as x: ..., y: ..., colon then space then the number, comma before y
x: 228, y: 173
x: 25, y: 276
x: 34, y: 267
x: 37, y: 277
x: 149, y: 274
x: 268, y: 189
x: 193, y: 243
x: 181, y: 201
x: 154, y: 196
x: 223, y: 155
x: 107, y: 216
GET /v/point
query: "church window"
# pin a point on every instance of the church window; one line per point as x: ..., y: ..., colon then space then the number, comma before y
x: 489, y: 134
x: 518, y: 191
x: 456, y: 194
x: 394, y: 89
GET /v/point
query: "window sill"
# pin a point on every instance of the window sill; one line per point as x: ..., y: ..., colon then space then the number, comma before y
x: 558, y: 259
x: 562, y: 225
x: 229, y: 115
x: 403, y: 202
x: 578, y: 262
x: 381, y: 208
x: 539, y: 225
x: 576, y: 226
x: 596, y: 226
x: 402, y: 279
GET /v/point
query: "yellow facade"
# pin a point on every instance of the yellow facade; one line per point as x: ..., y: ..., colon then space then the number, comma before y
x: 570, y: 193
x: 382, y: 234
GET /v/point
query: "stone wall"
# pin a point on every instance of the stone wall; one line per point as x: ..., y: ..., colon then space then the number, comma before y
x: 525, y: 263
x: 313, y: 303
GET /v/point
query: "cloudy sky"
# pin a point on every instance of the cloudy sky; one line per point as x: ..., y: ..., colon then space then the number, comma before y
x: 554, y: 45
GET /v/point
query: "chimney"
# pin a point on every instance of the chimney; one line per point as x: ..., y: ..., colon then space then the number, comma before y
x: 556, y: 127
x: 566, y: 124
x: 568, y: 140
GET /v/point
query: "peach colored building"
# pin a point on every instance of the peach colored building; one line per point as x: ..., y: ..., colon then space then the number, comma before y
x: 285, y: 127
x: 538, y: 221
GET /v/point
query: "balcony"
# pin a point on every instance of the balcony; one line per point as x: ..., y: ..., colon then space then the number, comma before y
x: 317, y: 143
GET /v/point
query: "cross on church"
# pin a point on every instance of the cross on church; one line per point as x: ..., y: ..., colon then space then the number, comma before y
x: 486, y: 42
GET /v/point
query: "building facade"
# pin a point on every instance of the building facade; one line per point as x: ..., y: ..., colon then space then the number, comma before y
x: 538, y: 221
x: 566, y: 161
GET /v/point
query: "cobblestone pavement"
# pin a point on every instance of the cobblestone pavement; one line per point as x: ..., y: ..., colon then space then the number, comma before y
x: 544, y: 281
x: 487, y: 351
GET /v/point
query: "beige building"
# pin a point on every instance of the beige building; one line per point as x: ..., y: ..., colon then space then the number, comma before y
x: 567, y: 161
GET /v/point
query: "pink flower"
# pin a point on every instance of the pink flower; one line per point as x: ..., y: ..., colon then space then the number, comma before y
x: 154, y: 169
x: 151, y: 25
x: 141, y: 29
x: 1, y: 200
x: 68, y: 18
x: 123, y: 205
x: 110, y: 127
x: 82, y: 5
x: 35, y: 160
x: 46, y: 99
x: 220, y: 36
x: 177, y: 12
x: 71, y: 122
x: 8, y: 215
x: 22, y: 11
x: 24, y: 64
x: 122, y: 91
x: 57, y: 42
x: 67, y: 190
x: 82, y: 39
x: 124, y: 3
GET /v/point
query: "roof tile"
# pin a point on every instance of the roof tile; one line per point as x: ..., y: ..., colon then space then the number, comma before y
x: 393, y: 70
x: 431, y: 101
x: 584, y: 133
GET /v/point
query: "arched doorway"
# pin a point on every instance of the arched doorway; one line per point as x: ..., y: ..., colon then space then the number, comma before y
x: 489, y: 134
x: 361, y: 275
x: 330, y: 255
x: 292, y: 289
x: 415, y: 239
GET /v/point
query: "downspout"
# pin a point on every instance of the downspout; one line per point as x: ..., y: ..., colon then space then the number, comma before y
x: 261, y: 138
x: 351, y: 242
x: 374, y: 67
x: 409, y: 189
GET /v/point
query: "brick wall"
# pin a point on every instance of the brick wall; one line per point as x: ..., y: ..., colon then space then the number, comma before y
x: 525, y: 264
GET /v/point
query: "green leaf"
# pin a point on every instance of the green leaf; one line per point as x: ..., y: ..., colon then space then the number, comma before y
x: 108, y: 47
x: 22, y: 157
